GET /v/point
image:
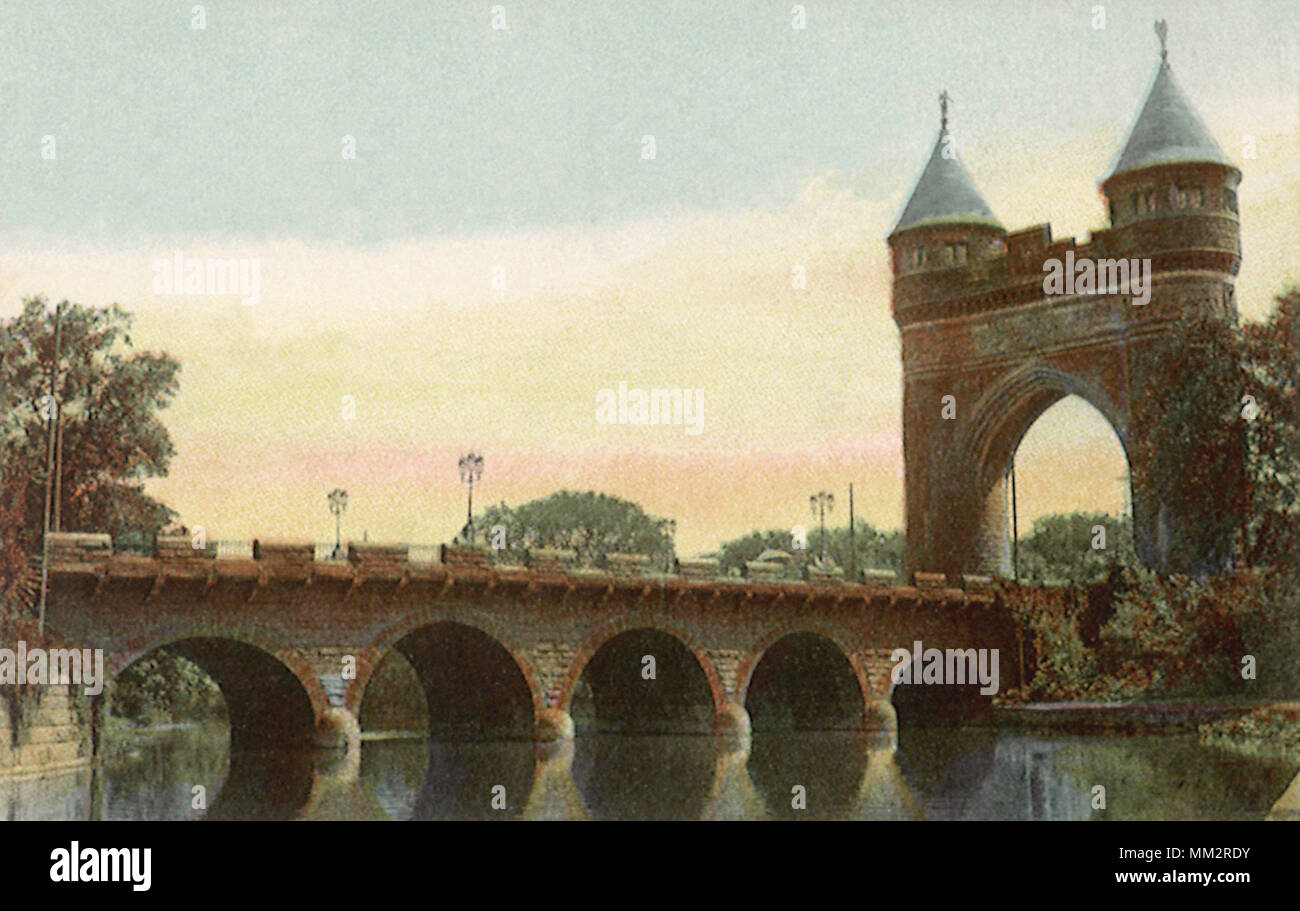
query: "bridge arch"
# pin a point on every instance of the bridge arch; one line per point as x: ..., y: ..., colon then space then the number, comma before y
x: 273, y: 697
x: 804, y: 677
x: 686, y: 686
x: 474, y: 686
x: 369, y: 658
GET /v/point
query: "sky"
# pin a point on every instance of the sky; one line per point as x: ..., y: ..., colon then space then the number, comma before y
x: 462, y: 239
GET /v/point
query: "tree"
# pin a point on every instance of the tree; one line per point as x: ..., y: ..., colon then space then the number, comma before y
x: 592, y: 524
x: 113, y: 440
x: 165, y: 688
x: 1190, y: 434
x: 1271, y: 351
x: 872, y: 549
x: 19, y: 578
x: 1074, y: 548
x: 734, y: 554
x: 1220, y: 427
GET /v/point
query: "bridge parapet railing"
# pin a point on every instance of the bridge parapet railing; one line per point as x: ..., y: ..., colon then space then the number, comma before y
x: 423, y: 553
x: 78, y: 547
x: 325, y: 552
x: 296, y: 558
x: 381, y: 558
x: 233, y: 550
x: 706, y: 569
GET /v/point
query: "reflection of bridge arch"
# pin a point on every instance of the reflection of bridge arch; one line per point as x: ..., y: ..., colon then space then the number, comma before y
x: 684, y: 675
x: 474, y: 685
x: 273, y: 699
x: 777, y: 677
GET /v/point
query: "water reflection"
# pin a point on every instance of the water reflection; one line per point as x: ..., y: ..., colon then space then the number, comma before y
x: 155, y: 774
x: 475, y: 781
x: 828, y: 767
x: 151, y: 774
x: 929, y: 773
x: 644, y: 776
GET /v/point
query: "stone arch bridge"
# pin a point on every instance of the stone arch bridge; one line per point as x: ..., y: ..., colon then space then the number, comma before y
x: 293, y: 642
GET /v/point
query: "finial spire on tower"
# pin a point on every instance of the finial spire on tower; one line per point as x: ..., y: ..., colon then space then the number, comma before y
x: 944, y: 191
x: 1166, y: 129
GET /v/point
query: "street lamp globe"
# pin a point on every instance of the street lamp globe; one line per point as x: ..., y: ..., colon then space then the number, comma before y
x: 471, y: 469
x: 338, y: 503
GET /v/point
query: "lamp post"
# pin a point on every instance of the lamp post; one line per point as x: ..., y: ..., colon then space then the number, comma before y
x: 669, y: 527
x: 821, y: 503
x: 471, y: 469
x: 338, y: 501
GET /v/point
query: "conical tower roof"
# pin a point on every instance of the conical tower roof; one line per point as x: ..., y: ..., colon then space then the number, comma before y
x: 1166, y: 130
x: 944, y: 192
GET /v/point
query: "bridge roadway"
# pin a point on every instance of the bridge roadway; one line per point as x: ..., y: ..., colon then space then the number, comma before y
x: 293, y: 642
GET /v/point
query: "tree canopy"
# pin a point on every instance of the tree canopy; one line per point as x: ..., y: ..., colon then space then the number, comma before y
x: 113, y: 439
x: 1076, y: 548
x: 1271, y: 352
x: 881, y: 550
x: 593, y: 524
x: 1193, y: 440
x: 1221, y: 430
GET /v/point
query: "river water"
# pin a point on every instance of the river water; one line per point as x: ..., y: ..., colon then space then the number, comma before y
x: 928, y: 773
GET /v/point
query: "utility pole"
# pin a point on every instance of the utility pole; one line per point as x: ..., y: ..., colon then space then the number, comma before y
x: 52, y: 406
x: 853, y: 550
x: 57, y: 521
x: 1015, y: 527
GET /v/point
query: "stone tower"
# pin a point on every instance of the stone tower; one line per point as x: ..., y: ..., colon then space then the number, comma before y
x: 977, y: 325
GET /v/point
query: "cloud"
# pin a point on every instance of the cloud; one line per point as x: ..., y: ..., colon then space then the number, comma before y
x: 501, y: 340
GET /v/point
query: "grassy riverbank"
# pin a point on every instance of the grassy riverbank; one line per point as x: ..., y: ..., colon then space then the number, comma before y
x: 1268, y: 730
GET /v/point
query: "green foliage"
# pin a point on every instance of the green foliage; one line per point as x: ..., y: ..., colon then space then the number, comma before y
x: 112, y: 438
x: 734, y: 554
x: 590, y: 523
x: 1227, y: 401
x: 1271, y: 632
x: 1271, y: 351
x: 163, y: 688
x: 882, y: 550
x: 1063, y: 667
x: 1172, y: 636
x: 1190, y: 434
x: 19, y: 574
x: 1062, y: 549
x: 1164, y: 636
